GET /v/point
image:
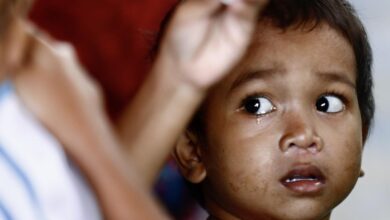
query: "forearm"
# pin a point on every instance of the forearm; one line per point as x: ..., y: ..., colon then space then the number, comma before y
x: 203, y: 43
x: 120, y: 193
x: 70, y: 107
x: 158, y: 114
x: 88, y: 140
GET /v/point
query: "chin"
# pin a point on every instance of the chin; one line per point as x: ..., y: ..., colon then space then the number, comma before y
x: 305, y: 213
x: 308, y: 212
x: 302, y: 215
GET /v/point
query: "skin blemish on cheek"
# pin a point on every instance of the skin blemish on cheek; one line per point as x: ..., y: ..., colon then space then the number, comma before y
x: 234, y: 187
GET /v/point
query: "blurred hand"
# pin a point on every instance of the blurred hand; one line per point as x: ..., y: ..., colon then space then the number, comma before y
x: 47, y: 64
x: 58, y: 61
x: 56, y: 89
x: 207, y: 38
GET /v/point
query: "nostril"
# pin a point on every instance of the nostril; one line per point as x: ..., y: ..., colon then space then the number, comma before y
x: 317, y: 140
x: 300, y: 133
x: 310, y: 143
x: 313, y: 148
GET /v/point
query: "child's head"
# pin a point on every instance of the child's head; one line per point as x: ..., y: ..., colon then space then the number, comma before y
x: 282, y: 136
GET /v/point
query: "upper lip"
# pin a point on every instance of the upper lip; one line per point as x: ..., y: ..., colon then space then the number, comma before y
x: 303, y: 172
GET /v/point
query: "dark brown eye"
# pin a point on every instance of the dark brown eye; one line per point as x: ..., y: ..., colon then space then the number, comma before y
x: 329, y: 104
x: 258, y: 105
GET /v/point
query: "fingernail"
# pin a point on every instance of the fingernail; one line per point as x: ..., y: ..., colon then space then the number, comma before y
x: 227, y: 2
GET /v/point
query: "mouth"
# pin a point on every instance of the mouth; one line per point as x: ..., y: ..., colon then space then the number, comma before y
x: 304, y: 180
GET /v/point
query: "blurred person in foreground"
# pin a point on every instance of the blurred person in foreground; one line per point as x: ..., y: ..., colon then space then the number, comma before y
x: 59, y: 156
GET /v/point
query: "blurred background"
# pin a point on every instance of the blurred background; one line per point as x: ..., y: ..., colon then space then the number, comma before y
x: 113, y: 37
x: 371, y: 197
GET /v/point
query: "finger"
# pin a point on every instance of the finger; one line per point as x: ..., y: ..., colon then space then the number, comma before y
x: 46, y: 53
x: 247, y: 9
x: 195, y: 9
x: 39, y: 45
x: 227, y: 2
x: 59, y: 48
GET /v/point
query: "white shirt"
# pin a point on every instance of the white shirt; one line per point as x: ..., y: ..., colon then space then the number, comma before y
x: 37, y: 180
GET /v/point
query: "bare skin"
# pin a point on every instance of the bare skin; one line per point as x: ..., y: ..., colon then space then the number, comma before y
x: 283, y: 133
x: 183, y: 72
x: 55, y: 89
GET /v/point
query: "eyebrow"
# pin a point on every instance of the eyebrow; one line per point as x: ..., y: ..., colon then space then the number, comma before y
x: 258, y: 74
x: 340, y: 77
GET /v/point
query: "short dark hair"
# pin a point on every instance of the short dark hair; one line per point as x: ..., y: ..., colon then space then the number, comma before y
x: 338, y: 14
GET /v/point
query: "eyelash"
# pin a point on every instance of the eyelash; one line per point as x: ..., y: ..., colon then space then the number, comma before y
x: 250, y: 96
x: 336, y: 94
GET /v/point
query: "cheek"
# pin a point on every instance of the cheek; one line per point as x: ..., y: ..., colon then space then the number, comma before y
x: 350, y: 141
x: 344, y: 152
x: 236, y: 157
x: 343, y: 140
x: 345, y: 146
x: 240, y: 147
x: 347, y: 160
x: 236, y: 178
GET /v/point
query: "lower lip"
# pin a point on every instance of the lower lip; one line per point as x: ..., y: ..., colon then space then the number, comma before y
x: 309, y: 187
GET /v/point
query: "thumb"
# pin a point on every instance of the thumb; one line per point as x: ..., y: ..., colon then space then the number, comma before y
x: 195, y: 9
x: 246, y: 9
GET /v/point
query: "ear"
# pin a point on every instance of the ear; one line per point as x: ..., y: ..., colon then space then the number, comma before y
x: 189, y: 159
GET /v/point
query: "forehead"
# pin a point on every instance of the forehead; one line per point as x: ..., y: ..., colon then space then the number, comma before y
x: 318, y: 49
x: 321, y: 43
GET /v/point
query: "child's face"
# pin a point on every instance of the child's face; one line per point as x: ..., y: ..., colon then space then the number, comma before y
x: 283, y: 131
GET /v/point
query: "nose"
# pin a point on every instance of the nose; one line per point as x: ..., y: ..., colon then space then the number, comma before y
x: 300, y: 134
